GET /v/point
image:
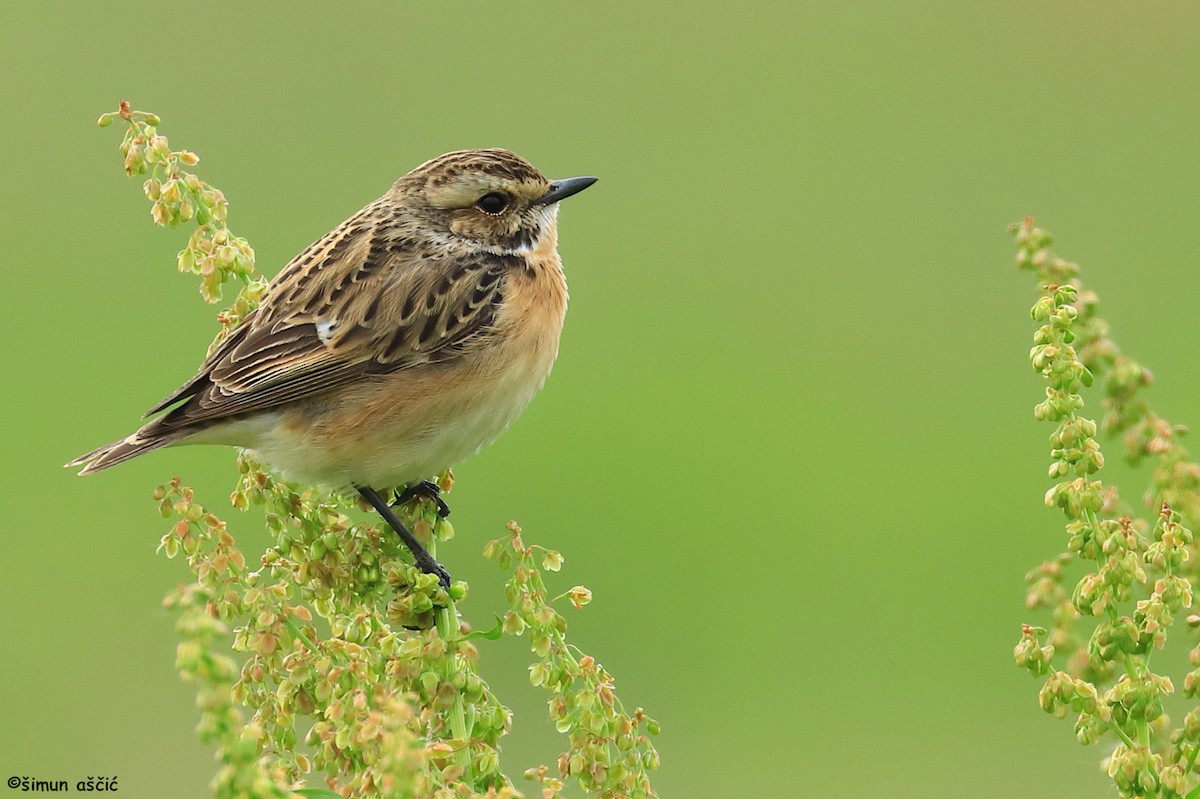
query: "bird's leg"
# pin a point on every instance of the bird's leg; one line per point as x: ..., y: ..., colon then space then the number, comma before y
x: 424, y: 560
x: 427, y: 489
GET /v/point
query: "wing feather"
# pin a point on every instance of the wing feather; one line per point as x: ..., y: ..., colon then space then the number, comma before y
x: 366, y: 299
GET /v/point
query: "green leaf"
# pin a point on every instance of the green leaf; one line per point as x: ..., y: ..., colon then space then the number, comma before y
x: 493, y: 634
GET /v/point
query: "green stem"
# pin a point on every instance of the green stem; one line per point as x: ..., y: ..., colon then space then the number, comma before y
x: 1120, y: 733
x: 448, y: 631
x: 1142, y: 727
x: 1192, y: 762
x: 298, y: 633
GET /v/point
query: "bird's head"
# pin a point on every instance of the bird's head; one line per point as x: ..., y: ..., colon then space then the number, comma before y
x: 492, y: 199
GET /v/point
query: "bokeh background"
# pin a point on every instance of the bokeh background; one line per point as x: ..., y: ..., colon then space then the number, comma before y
x: 788, y: 442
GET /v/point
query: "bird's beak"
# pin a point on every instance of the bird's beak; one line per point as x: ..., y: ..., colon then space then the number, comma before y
x: 562, y: 189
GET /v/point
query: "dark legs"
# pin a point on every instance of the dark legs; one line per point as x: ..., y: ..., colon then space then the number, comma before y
x: 424, y: 560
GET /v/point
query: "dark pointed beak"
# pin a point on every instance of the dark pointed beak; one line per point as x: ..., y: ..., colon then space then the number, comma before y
x: 562, y: 189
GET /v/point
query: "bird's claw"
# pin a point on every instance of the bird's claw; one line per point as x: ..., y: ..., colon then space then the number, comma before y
x: 431, y: 566
x: 427, y: 489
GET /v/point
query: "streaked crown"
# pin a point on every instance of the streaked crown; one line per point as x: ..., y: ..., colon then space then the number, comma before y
x: 484, y: 196
x: 492, y: 198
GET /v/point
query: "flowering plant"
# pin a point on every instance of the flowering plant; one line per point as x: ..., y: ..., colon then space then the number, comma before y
x: 347, y: 661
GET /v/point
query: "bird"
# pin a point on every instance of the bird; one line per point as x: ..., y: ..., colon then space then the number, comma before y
x: 407, y: 338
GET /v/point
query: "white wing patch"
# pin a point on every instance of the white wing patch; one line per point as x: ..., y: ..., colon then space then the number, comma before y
x: 325, y: 331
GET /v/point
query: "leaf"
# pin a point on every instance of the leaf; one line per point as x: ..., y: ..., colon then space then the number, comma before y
x: 493, y: 634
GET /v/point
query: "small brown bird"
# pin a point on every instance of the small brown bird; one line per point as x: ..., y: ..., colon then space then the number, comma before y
x: 408, y: 337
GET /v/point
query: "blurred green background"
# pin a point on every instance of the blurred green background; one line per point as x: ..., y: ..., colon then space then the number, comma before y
x: 789, y: 440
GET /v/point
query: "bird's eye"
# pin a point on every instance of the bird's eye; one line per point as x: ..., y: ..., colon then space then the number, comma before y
x: 492, y: 203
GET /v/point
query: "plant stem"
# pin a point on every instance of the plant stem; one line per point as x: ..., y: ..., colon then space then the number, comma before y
x: 448, y: 631
x: 1192, y: 762
x: 1120, y: 733
x: 298, y: 633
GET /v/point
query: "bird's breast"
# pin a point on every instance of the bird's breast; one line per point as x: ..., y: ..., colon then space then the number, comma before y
x: 530, y: 319
x: 412, y: 423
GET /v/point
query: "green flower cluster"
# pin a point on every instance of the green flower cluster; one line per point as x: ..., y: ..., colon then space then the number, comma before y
x: 389, y: 711
x: 1138, y: 575
x: 180, y: 196
x: 244, y: 771
x: 351, y: 667
x: 609, y: 749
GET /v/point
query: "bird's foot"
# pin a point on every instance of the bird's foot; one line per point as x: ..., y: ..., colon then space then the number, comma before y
x: 424, y: 561
x: 430, y: 566
x: 426, y: 489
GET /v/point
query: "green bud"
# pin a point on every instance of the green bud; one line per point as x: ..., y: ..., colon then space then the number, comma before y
x: 538, y: 674
x: 488, y: 762
x: 513, y: 623
x: 1042, y: 309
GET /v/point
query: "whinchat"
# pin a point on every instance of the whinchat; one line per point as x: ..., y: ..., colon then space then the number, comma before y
x: 405, y: 339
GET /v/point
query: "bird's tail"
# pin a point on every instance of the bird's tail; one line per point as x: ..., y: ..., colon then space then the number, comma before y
x: 150, y: 437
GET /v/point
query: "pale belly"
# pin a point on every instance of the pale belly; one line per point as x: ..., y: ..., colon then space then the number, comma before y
x: 405, y: 428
